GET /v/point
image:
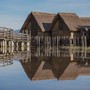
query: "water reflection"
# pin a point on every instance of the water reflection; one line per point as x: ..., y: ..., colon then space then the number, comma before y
x: 60, y: 64
x: 55, y: 67
x: 41, y: 63
x: 8, y: 57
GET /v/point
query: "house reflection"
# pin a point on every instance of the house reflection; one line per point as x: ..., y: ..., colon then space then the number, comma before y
x: 46, y: 63
x: 38, y: 68
x: 53, y: 67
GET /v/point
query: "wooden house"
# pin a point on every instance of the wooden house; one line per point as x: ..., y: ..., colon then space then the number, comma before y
x: 84, y: 29
x: 64, y: 24
x: 64, y: 29
x: 67, y: 27
x: 37, y: 23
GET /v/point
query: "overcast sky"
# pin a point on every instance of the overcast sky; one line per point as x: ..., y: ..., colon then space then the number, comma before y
x: 14, y: 12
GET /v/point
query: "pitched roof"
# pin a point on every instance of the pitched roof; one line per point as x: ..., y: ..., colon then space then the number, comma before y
x: 43, y: 20
x: 70, y: 19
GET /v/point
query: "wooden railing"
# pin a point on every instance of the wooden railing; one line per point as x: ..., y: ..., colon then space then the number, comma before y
x: 6, y: 33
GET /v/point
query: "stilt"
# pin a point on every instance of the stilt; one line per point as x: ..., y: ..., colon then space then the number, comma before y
x: 22, y: 46
x: 28, y: 45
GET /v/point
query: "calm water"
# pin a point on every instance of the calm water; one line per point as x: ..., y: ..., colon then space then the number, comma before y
x: 45, y: 69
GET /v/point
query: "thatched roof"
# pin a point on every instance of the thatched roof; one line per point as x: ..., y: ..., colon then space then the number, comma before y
x: 43, y: 20
x: 70, y: 19
x: 85, y: 21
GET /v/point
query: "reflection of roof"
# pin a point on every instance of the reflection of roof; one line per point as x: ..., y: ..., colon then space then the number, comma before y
x: 38, y: 70
x: 43, y: 72
x: 84, y: 71
x: 71, y: 72
x: 59, y: 64
x: 40, y: 19
x: 30, y: 68
x: 60, y: 68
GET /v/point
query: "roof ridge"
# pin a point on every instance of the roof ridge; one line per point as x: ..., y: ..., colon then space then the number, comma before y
x: 84, y: 17
x: 67, y: 13
x: 42, y: 13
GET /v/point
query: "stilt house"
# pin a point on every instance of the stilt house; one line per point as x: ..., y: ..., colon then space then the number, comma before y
x: 37, y: 23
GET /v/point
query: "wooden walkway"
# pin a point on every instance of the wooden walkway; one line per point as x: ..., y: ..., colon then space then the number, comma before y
x: 7, y: 58
x: 10, y: 39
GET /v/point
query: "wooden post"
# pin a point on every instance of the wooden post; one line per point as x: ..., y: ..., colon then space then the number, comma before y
x: 71, y: 39
x: 78, y: 41
x: 85, y: 41
x: 39, y: 40
x: 74, y: 41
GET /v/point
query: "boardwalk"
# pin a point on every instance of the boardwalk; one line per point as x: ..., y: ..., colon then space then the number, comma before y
x: 7, y: 58
x: 15, y: 41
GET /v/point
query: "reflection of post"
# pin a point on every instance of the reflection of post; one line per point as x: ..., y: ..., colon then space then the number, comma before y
x: 12, y: 45
x: 71, y: 56
x: 2, y: 46
x: 28, y: 45
x: 22, y: 46
x: 16, y: 45
x: 83, y: 54
x: 5, y: 46
x: 57, y: 46
x: 4, y: 43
